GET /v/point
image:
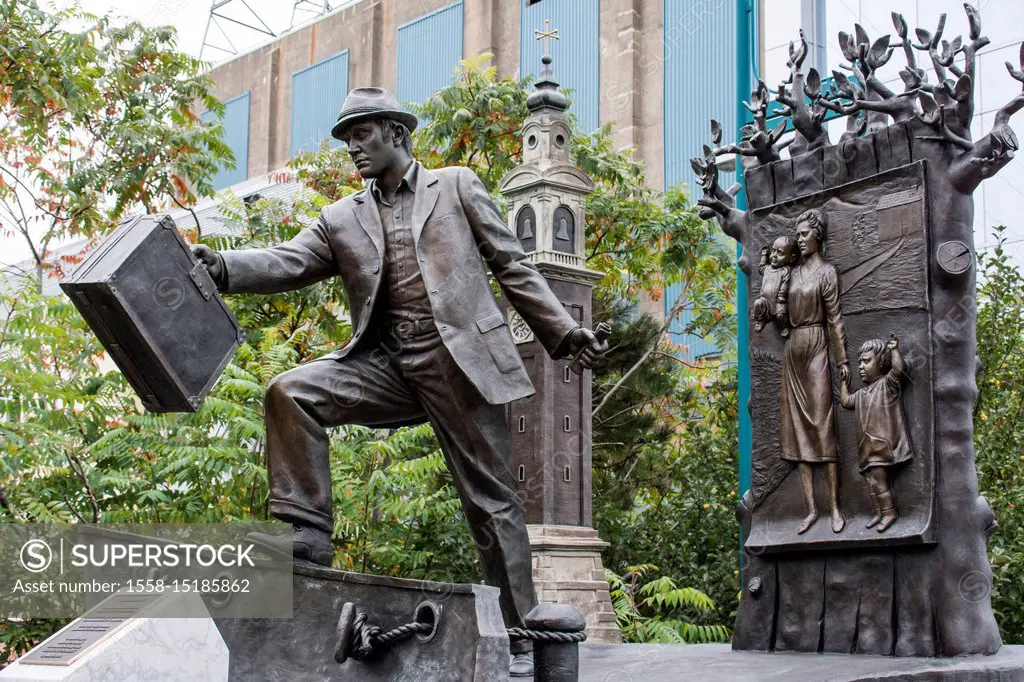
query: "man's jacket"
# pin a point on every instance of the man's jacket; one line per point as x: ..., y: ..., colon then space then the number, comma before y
x: 456, y: 230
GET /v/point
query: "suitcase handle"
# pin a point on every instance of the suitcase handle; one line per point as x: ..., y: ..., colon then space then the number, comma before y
x: 202, y: 280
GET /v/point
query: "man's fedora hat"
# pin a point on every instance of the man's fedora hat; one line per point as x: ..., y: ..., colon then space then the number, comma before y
x: 364, y: 103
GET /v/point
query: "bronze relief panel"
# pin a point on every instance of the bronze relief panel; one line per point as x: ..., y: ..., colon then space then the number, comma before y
x: 840, y: 330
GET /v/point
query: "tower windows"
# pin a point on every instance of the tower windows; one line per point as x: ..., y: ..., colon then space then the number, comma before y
x: 526, y: 228
x: 564, y: 230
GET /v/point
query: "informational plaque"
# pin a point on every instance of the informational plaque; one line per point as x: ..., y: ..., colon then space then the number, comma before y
x: 74, y: 641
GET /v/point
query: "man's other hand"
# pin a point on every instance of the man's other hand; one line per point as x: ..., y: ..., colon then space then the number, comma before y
x: 208, y: 257
x: 584, y: 342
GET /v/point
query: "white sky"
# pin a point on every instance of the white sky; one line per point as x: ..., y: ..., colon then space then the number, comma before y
x: 190, y: 17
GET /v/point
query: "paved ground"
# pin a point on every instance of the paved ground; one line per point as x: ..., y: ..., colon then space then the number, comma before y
x: 718, y: 663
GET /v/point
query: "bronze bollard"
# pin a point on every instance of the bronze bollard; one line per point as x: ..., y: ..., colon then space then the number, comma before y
x: 559, y: 629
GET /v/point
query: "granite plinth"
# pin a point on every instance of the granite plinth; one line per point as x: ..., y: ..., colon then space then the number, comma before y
x: 469, y: 643
x: 719, y: 663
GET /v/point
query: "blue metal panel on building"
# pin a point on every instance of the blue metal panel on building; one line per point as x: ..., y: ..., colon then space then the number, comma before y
x: 577, y: 53
x: 429, y: 50
x: 318, y: 91
x: 236, y: 137
x: 700, y: 84
x: 691, y: 346
x: 700, y: 81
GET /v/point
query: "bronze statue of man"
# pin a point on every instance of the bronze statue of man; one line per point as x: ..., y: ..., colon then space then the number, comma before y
x: 429, y: 341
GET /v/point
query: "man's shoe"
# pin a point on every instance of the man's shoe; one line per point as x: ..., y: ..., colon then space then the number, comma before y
x: 522, y: 665
x: 303, y: 544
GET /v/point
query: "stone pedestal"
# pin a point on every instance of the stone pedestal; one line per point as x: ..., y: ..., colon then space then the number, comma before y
x: 567, y: 569
x: 469, y: 642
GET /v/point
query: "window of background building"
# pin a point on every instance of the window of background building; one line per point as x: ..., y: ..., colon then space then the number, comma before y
x: 236, y: 137
x: 429, y: 49
x: 318, y: 91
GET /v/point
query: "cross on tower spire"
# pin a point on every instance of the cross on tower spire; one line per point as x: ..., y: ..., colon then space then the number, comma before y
x: 546, y: 83
x: 546, y: 35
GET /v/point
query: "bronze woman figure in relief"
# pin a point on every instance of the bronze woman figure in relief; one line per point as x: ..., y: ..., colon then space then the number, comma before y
x: 807, y: 431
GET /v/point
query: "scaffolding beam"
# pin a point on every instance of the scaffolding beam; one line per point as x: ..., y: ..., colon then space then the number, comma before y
x: 220, y: 17
x: 308, y: 8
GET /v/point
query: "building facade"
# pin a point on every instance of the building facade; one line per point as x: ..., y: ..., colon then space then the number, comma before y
x: 656, y: 70
x: 288, y: 92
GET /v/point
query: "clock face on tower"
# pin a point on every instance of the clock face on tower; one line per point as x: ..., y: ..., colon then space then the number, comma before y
x: 521, y: 332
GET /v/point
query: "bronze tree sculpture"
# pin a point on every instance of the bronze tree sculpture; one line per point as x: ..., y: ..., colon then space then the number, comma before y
x: 895, y: 191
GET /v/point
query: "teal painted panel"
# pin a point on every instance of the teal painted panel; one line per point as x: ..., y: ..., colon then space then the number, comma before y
x: 429, y: 50
x: 576, y: 55
x: 700, y: 82
x: 318, y: 91
x: 746, y: 47
x: 235, y: 136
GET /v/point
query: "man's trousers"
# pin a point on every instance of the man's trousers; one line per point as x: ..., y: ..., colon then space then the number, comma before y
x: 416, y: 382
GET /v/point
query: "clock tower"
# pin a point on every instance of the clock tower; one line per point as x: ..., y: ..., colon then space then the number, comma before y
x: 551, y: 430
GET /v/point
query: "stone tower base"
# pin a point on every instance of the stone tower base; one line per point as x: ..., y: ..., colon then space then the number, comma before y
x: 567, y: 569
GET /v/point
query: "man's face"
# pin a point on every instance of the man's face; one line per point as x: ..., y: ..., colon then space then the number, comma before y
x: 370, y: 152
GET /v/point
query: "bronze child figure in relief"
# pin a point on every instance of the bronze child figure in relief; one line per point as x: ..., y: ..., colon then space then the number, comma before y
x: 883, y: 440
x: 771, y: 305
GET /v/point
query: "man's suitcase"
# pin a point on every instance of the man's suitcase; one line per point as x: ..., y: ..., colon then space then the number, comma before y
x: 156, y: 310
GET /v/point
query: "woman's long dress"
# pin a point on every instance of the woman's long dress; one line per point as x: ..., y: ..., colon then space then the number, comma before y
x: 808, y: 424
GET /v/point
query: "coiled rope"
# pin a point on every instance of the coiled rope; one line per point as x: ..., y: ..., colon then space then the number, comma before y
x: 360, y: 641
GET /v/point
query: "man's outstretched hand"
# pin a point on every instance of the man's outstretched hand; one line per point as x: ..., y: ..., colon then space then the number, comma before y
x: 208, y: 257
x: 585, y: 348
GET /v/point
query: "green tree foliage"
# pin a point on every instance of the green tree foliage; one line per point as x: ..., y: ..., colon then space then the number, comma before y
x: 477, y: 122
x: 95, y: 122
x: 656, y: 610
x: 999, y: 427
x: 637, y: 237
x: 665, y: 465
x: 96, y: 119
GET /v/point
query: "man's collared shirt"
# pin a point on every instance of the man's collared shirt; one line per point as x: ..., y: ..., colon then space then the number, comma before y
x: 403, y: 283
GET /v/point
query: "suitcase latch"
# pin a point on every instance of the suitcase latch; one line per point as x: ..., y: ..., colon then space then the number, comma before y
x: 202, y: 280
